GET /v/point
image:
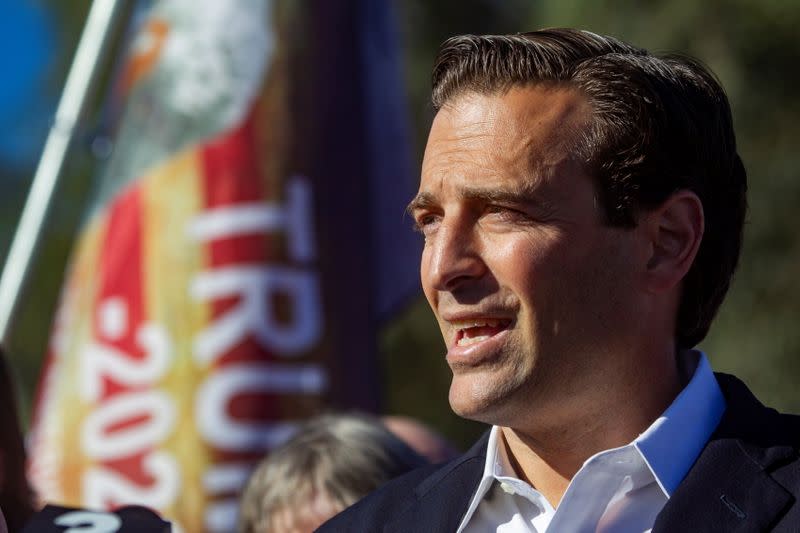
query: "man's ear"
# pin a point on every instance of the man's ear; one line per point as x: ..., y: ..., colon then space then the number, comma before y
x: 675, y: 230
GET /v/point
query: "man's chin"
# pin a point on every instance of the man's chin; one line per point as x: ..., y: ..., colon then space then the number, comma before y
x: 472, y: 404
x: 490, y: 397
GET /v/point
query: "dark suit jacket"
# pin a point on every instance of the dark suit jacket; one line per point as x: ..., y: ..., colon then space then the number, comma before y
x: 747, y: 478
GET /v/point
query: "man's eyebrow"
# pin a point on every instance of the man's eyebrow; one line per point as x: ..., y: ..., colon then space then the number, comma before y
x: 516, y: 195
x: 421, y: 201
x: 527, y: 194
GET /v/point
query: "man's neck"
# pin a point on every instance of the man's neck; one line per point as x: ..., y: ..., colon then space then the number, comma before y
x: 548, y: 456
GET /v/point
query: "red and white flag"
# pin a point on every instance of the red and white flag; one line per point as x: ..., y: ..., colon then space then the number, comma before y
x: 226, y: 284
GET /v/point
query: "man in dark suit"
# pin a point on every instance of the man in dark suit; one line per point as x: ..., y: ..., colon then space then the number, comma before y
x: 582, y: 203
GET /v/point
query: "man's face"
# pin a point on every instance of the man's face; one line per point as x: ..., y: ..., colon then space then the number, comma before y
x: 530, y: 288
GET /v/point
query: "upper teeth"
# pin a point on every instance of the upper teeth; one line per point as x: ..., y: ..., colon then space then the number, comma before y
x: 464, y: 324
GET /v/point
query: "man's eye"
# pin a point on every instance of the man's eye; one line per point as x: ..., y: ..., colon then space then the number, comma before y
x: 502, y: 211
x: 425, y: 223
x: 502, y: 214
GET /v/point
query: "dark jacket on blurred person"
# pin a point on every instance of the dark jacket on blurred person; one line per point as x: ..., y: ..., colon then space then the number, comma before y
x: 16, y: 496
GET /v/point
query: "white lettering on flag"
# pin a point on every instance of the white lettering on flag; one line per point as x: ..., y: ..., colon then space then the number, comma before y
x: 220, y: 429
x: 249, y: 218
x: 103, y: 486
x: 254, y: 288
x: 254, y: 314
x: 221, y: 514
x: 101, y: 361
x: 226, y: 478
x: 132, y: 421
x: 102, y: 441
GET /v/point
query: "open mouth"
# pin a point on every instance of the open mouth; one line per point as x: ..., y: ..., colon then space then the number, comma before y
x: 474, y: 331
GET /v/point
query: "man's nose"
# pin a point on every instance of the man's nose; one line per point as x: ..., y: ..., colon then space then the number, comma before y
x: 454, y: 258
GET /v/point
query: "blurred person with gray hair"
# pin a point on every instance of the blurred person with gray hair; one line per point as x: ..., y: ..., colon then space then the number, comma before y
x: 329, y: 464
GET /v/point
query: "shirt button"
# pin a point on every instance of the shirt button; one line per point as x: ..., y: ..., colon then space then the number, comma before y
x: 507, y: 488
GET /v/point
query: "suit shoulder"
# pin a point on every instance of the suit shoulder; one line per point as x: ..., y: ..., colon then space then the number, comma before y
x: 791, y: 425
x: 381, y: 505
x: 746, y: 417
x: 445, y: 485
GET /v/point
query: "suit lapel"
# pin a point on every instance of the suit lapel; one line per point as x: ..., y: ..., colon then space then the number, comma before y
x: 442, y: 499
x: 729, y: 487
x: 724, y: 491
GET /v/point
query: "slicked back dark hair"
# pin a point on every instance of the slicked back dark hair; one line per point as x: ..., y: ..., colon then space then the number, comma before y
x: 660, y: 124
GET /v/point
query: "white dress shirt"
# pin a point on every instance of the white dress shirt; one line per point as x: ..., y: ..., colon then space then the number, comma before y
x: 617, y: 490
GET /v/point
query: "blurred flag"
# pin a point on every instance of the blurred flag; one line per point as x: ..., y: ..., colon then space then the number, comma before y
x: 247, y: 240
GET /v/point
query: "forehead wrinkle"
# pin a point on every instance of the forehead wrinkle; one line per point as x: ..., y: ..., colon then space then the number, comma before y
x: 493, y: 155
x: 453, y: 152
x: 530, y: 139
x: 463, y: 139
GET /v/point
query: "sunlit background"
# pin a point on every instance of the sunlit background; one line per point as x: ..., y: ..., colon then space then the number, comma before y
x: 752, y: 45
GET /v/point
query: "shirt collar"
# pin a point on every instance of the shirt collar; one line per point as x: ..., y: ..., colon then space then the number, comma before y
x: 672, y: 443
x: 492, y: 467
x: 669, y: 446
